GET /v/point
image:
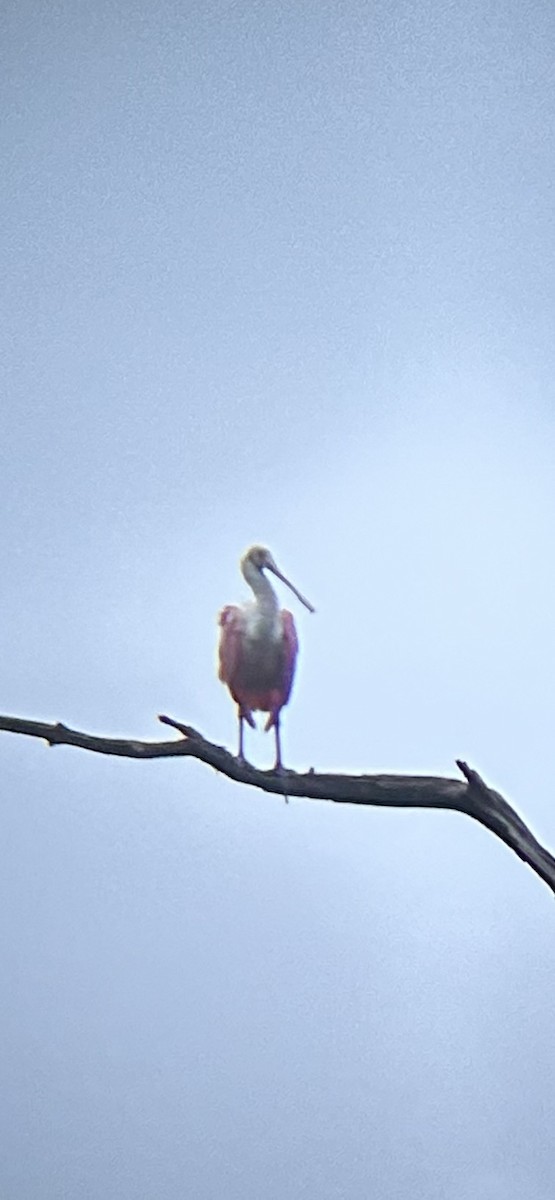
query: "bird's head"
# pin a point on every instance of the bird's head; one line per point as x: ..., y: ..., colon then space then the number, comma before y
x: 259, y: 558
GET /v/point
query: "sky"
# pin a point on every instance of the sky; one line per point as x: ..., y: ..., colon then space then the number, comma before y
x: 276, y: 273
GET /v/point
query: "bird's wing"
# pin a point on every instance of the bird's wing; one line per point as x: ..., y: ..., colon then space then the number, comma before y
x: 229, y: 649
x: 291, y: 643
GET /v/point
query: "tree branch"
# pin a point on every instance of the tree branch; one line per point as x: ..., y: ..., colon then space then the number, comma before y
x: 472, y: 797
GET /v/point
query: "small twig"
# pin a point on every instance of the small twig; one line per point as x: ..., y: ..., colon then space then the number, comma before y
x: 473, y: 797
x: 186, y: 730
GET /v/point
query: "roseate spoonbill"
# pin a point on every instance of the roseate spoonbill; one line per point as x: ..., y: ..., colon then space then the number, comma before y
x: 258, y: 647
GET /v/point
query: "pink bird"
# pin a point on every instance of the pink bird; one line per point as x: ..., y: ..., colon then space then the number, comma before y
x: 258, y: 647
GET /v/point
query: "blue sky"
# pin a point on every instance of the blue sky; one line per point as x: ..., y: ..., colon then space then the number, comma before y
x: 279, y: 275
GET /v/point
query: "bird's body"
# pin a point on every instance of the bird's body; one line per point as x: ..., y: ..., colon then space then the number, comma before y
x: 258, y: 647
x: 257, y: 658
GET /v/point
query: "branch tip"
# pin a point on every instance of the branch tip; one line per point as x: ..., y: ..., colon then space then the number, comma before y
x: 186, y: 730
x: 473, y: 779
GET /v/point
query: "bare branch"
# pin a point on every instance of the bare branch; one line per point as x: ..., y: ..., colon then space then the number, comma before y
x: 472, y: 797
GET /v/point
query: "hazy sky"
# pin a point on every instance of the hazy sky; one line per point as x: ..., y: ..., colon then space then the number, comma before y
x: 278, y: 273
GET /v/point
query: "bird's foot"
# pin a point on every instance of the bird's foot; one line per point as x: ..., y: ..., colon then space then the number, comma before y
x: 279, y: 769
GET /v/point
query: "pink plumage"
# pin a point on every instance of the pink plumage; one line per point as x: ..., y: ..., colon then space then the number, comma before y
x: 258, y: 647
x: 259, y: 679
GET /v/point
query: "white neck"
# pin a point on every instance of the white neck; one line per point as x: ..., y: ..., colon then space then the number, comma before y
x: 261, y: 586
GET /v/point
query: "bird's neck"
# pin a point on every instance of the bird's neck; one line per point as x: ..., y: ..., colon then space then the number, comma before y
x: 265, y: 596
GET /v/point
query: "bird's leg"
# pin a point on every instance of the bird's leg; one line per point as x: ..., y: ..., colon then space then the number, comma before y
x: 278, y: 763
x: 244, y: 714
x: 240, y: 753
